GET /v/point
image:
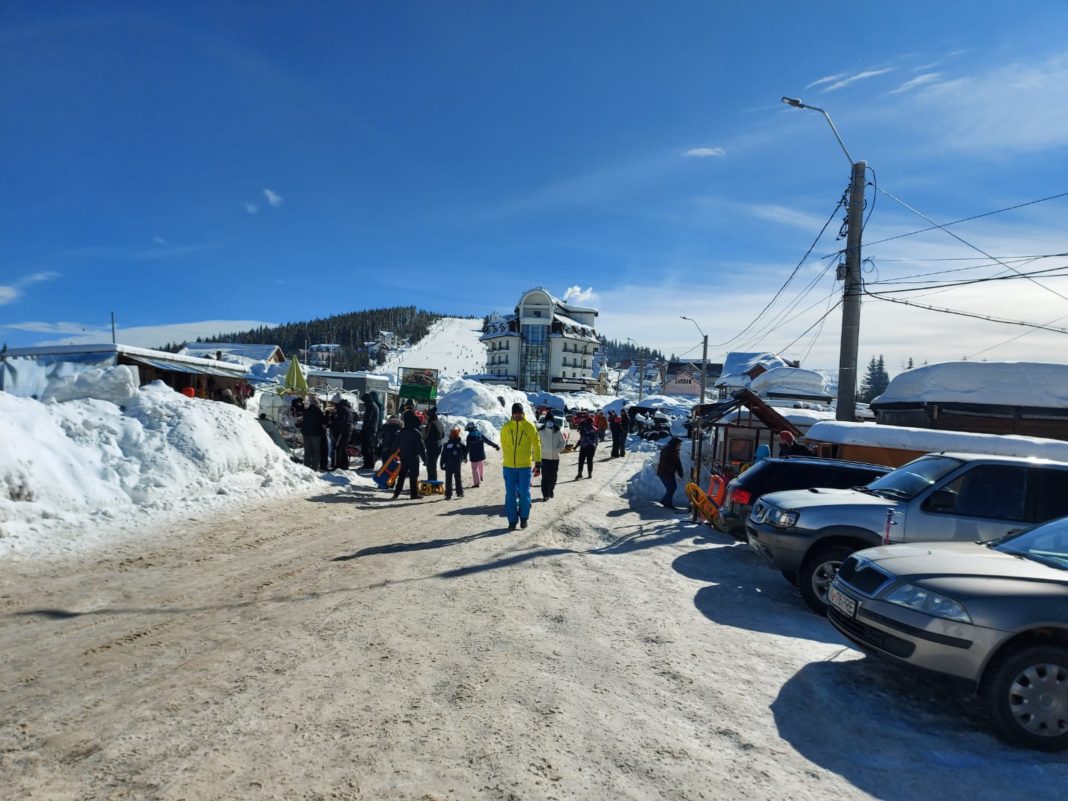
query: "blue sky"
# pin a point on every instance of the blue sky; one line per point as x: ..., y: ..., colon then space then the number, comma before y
x: 235, y: 163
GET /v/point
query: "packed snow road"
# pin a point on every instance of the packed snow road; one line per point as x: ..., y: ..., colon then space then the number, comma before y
x: 347, y: 646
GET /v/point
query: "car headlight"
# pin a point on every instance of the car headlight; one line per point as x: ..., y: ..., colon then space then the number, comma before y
x: 780, y: 518
x: 930, y: 603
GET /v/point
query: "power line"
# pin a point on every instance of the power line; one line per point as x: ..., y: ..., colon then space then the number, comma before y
x: 778, y: 323
x: 962, y: 220
x: 964, y: 241
x: 1048, y: 272
x: 987, y: 318
x: 786, y: 283
x: 823, y: 317
x: 1013, y: 339
x: 1015, y: 259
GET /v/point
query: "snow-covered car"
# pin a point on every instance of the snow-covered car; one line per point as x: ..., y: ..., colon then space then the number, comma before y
x: 961, y: 497
x: 993, y: 614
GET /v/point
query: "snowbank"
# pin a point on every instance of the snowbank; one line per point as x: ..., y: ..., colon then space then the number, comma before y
x: 67, y: 468
x: 1001, y: 383
x: 926, y: 440
x: 645, y: 485
x: 469, y: 401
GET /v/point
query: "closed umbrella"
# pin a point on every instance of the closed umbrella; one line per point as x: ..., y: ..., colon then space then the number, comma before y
x: 295, y: 381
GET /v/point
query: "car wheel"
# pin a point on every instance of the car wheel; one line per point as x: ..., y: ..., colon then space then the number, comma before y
x: 1026, y: 695
x: 818, y: 571
x: 790, y: 576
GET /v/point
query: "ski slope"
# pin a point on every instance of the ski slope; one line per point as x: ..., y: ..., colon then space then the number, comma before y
x: 451, y: 346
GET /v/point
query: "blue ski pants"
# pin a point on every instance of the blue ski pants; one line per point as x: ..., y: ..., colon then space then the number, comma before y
x: 516, y: 493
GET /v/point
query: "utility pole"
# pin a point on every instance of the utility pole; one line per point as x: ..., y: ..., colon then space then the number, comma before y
x: 113, y: 328
x: 851, y: 294
x: 641, y: 378
x: 704, y: 366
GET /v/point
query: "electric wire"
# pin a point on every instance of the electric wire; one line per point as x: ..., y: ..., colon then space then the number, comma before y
x: 1048, y: 272
x: 786, y: 283
x: 821, y: 319
x: 964, y: 241
x: 1010, y: 340
x: 782, y: 320
x: 987, y: 318
x: 906, y: 278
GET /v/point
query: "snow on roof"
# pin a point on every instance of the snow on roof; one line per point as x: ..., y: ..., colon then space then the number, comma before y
x: 207, y: 350
x: 736, y: 365
x: 132, y: 352
x: 926, y: 440
x: 802, y: 418
x: 790, y: 380
x: 991, y: 383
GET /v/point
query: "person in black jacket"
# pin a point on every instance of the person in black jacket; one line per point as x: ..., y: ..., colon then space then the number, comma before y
x: 453, y: 455
x: 476, y: 452
x: 387, y: 438
x: 434, y: 437
x: 341, y: 433
x: 619, y: 435
x: 410, y: 445
x: 372, y: 416
x: 312, y: 427
x: 789, y: 446
x: 670, y: 466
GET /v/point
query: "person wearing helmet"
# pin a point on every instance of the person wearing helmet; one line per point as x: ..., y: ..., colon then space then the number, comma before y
x: 476, y: 452
x: 453, y: 455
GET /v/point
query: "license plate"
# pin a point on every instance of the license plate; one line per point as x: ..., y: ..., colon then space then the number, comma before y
x: 842, y: 602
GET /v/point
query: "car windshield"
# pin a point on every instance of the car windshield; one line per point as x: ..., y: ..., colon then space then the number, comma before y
x: 1047, y: 544
x: 913, y: 478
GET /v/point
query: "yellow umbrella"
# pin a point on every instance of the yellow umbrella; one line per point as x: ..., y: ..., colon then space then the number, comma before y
x: 295, y: 380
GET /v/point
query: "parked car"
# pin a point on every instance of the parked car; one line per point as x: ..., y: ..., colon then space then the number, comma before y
x: 994, y: 615
x: 965, y: 497
x: 790, y: 473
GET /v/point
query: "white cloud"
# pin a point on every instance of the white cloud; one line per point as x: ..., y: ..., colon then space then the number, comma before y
x: 1010, y: 108
x: 12, y: 292
x: 576, y: 294
x: 251, y: 208
x: 919, y: 80
x: 64, y: 333
x: 273, y: 198
x: 784, y: 216
x: 860, y: 76
x: 705, y: 152
x: 827, y: 79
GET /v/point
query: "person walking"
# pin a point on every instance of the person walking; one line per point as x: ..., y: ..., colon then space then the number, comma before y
x: 312, y: 427
x: 552, y: 444
x: 588, y: 440
x: 387, y: 437
x: 670, y: 466
x: 434, y: 438
x: 601, y: 424
x: 453, y: 455
x: 476, y: 452
x: 410, y: 445
x: 341, y: 432
x: 520, y: 450
x: 372, y: 417
x: 615, y: 425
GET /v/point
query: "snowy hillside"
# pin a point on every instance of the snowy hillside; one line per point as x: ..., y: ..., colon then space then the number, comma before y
x: 451, y: 346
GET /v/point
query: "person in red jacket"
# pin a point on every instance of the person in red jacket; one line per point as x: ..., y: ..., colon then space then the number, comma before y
x: 600, y: 422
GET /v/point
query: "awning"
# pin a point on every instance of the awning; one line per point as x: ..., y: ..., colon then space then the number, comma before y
x: 184, y: 367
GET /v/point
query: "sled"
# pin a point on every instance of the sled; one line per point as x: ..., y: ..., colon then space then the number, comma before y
x: 387, y: 473
x: 431, y: 487
x: 701, y: 502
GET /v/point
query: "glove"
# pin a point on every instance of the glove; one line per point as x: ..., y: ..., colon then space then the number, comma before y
x: 537, y: 469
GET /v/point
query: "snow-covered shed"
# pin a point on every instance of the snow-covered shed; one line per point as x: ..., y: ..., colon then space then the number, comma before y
x: 237, y: 352
x: 26, y: 371
x: 1026, y: 398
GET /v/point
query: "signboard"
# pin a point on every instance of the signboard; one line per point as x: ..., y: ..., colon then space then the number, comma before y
x: 419, y: 383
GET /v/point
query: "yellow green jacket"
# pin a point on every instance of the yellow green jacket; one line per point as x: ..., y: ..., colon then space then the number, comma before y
x: 520, y: 444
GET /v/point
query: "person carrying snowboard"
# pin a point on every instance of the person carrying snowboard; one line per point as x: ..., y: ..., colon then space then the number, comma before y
x: 476, y: 452
x: 520, y: 450
x: 453, y: 455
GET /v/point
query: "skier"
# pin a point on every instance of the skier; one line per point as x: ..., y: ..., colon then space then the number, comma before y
x: 520, y: 447
x: 453, y: 455
x: 476, y: 452
x: 410, y: 445
x: 552, y: 443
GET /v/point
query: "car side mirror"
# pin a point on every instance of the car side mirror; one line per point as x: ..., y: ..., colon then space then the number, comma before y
x: 941, y: 500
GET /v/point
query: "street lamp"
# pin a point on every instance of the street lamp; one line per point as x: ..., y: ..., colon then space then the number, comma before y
x: 852, y: 285
x: 704, y: 355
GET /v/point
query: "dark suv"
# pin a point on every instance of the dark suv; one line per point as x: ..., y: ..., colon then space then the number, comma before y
x: 793, y: 472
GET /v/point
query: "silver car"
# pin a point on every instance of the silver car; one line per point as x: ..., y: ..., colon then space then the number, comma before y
x: 993, y: 614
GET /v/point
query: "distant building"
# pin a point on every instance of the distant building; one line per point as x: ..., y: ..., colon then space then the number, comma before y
x: 320, y: 354
x: 221, y: 350
x: 683, y: 377
x: 546, y: 345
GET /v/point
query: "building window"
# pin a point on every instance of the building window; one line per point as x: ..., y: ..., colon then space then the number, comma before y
x: 534, y: 358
